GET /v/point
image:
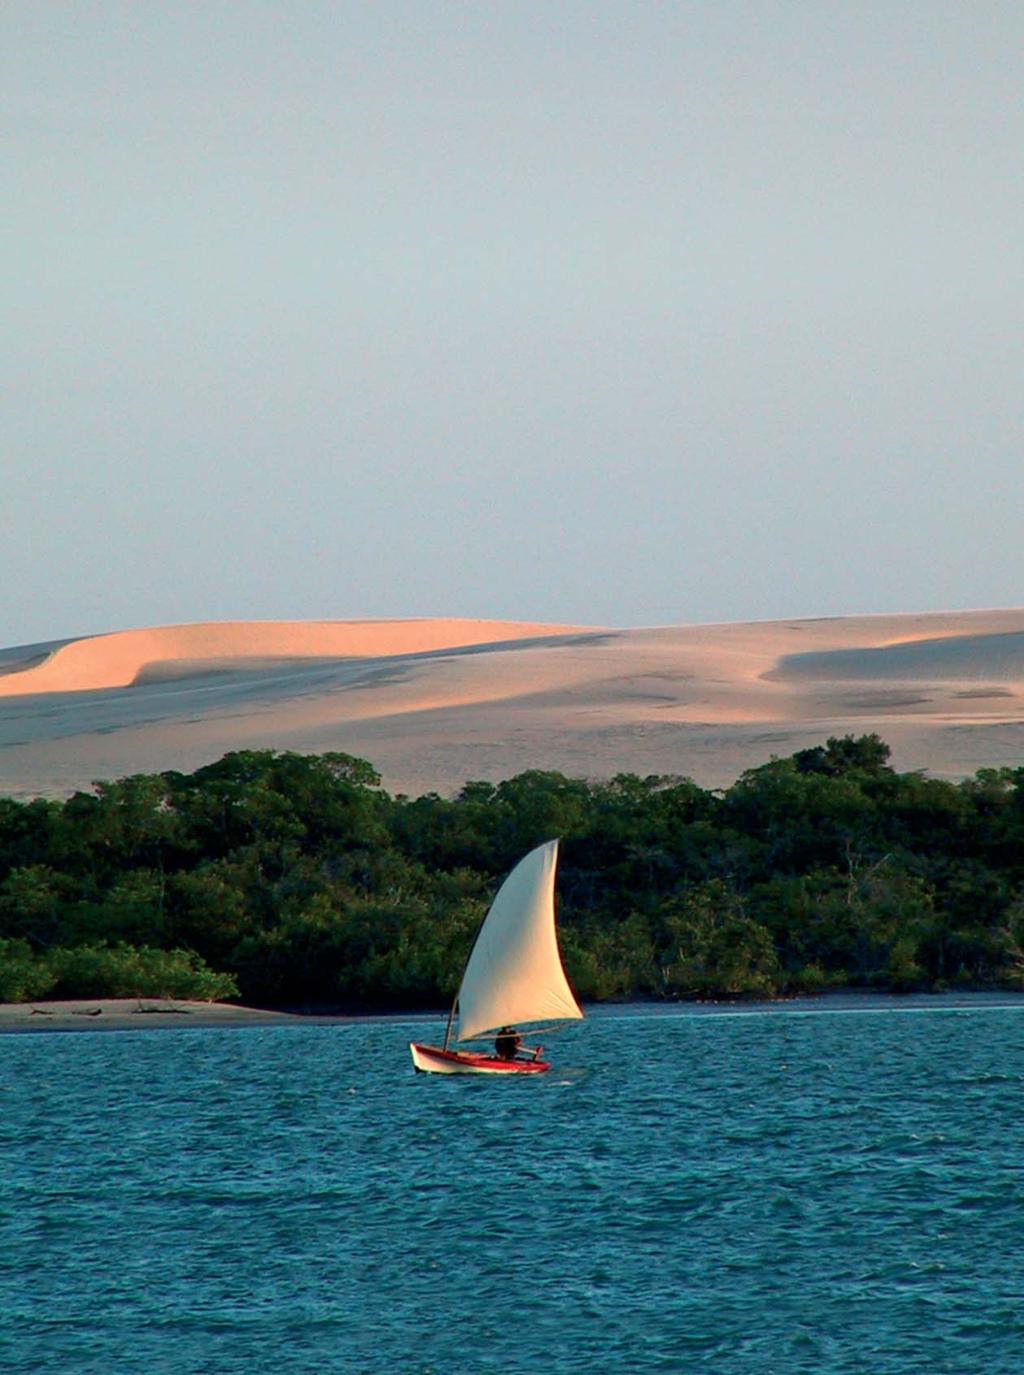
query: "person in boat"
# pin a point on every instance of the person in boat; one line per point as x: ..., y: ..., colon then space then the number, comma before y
x: 507, y: 1043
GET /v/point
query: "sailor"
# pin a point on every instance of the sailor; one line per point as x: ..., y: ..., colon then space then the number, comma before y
x: 507, y: 1043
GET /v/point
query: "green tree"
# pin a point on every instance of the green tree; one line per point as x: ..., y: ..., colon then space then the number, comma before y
x: 24, y: 976
x: 32, y: 900
x: 710, y: 946
x: 841, y: 755
x: 125, y: 971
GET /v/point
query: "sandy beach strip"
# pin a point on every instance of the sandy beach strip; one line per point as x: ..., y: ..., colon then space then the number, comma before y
x: 120, y: 1014
x: 149, y: 1014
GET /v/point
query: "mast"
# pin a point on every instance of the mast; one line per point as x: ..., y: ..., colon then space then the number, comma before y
x: 451, y: 1018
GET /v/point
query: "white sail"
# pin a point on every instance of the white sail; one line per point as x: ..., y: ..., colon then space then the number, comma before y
x: 515, y: 974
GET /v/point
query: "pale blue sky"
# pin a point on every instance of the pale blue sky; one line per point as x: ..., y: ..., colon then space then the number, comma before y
x: 617, y: 313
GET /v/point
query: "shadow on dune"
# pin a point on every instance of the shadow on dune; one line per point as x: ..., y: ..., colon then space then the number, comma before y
x: 995, y: 658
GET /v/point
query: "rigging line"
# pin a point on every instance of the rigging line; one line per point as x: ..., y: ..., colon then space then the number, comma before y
x: 451, y: 1018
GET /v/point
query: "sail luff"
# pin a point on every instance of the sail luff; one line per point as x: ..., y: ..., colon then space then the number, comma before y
x: 514, y: 974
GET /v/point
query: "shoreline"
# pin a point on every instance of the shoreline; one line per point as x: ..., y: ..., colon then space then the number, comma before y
x: 164, y: 1014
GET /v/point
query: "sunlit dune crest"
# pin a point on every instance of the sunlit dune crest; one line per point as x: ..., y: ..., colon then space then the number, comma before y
x: 123, y: 657
x: 434, y: 703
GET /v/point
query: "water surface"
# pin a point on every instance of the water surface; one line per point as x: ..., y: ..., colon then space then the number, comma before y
x: 783, y: 1192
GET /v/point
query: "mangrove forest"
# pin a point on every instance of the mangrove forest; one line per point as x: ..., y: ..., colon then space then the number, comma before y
x: 289, y: 880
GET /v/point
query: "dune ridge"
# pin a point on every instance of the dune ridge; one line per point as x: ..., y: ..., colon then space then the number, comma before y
x: 435, y: 703
x: 121, y: 658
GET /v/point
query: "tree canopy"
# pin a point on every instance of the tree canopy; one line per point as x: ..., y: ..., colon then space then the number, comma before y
x: 297, y: 880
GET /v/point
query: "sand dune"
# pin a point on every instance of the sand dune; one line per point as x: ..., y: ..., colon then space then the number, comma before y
x: 128, y: 656
x: 434, y: 703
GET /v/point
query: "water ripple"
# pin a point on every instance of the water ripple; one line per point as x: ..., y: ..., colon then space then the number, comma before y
x: 736, y: 1195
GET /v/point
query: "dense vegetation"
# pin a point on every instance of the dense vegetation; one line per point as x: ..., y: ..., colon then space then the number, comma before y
x: 296, y: 880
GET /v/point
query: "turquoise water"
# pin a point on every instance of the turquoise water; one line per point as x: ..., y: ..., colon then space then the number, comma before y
x: 780, y: 1192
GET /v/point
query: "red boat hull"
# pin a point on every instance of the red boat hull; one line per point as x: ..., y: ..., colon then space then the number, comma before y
x: 433, y: 1060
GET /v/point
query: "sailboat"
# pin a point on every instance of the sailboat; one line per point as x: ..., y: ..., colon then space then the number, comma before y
x: 514, y: 975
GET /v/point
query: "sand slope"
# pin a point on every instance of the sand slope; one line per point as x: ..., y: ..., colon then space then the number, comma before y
x: 434, y: 703
x: 128, y: 656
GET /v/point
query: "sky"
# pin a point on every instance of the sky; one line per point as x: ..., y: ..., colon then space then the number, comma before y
x: 591, y: 313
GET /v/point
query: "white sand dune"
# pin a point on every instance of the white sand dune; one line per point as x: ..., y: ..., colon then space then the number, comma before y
x: 434, y: 703
x: 127, y: 656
